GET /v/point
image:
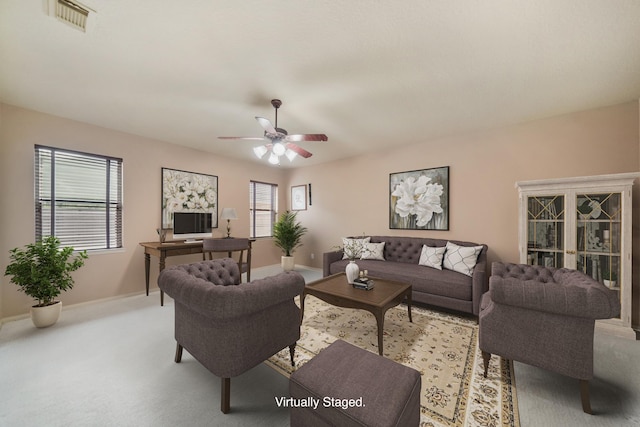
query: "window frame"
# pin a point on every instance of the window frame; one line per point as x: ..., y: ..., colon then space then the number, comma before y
x: 252, y: 211
x: 45, y: 190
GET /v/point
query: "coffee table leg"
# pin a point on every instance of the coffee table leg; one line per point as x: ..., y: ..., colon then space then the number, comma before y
x: 380, y: 322
x: 409, y: 305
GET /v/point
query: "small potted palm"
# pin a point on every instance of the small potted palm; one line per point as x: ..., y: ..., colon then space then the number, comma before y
x: 42, y: 270
x: 287, y: 235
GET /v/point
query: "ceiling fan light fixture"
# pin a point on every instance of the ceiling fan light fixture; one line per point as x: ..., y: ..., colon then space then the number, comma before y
x: 273, y: 159
x: 260, y: 151
x: 290, y: 154
x: 279, y: 149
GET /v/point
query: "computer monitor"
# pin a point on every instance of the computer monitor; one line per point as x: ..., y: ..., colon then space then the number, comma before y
x: 191, y: 225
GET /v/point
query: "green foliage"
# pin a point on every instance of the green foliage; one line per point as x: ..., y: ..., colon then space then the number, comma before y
x: 42, y: 270
x: 288, y: 232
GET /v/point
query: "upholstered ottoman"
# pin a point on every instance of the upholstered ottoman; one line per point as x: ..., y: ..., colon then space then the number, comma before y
x: 347, y: 386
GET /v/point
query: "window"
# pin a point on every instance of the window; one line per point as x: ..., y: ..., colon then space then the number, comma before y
x: 78, y: 198
x: 263, y: 208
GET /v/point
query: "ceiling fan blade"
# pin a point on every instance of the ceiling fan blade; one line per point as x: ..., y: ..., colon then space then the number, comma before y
x: 299, y: 150
x: 267, y: 126
x: 249, y: 138
x: 306, y: 137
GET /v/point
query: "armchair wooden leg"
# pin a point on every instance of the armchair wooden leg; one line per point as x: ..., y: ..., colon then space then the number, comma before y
x: 225, y: 395
x: 178, y: 353
x: 292, y: 353
x: 584, y: 395
x: 486, y: 357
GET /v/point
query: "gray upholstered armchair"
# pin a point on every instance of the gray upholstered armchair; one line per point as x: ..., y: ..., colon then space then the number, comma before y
x: 227, y: 326
x: 544, y: 317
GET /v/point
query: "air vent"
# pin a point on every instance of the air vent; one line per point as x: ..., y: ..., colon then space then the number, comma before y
x: 71, y: 13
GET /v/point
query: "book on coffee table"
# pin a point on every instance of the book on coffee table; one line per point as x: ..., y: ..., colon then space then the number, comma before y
x: 366, y: 284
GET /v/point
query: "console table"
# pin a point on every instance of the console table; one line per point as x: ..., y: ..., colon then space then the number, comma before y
x: 174, y: 248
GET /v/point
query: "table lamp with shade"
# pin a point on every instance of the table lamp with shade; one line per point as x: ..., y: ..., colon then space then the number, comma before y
x: 228, y: 214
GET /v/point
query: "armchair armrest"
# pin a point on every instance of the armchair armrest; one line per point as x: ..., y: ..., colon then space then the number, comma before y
x: 228, y: 302
x: 579, y: 296
x: 327, y: 259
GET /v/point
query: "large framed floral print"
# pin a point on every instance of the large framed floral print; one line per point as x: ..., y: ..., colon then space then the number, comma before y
x: 188, y: 192
x: 419, y: 200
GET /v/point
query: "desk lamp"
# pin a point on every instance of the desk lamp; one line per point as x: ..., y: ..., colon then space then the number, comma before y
x: 228, y: 214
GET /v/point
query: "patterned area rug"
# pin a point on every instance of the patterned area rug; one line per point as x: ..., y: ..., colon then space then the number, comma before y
x: 442, y: 347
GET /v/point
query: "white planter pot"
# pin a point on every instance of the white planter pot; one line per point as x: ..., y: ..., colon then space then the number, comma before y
x: 352, y: 271
x: 288, y: 263
x: 43, y: 317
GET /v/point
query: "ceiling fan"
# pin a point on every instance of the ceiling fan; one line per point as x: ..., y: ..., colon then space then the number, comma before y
x: 281, y: 143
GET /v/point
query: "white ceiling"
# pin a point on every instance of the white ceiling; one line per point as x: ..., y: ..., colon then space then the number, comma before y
x: 369, y: 74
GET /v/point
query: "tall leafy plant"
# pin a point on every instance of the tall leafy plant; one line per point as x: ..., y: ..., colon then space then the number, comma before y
x: 288, y: 232
x: 43, y: 269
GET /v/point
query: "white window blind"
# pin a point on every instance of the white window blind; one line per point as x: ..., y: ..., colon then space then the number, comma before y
x: 78, y: 198
x: 263, y: 208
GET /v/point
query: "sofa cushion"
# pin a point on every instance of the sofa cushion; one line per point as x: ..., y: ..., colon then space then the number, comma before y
x: 461, y: 258
x: 422, y: 279
x: 373, y: 251
x: 432, y: 257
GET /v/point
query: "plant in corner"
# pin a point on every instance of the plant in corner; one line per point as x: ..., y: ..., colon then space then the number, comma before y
x: 42, y: 270
x: 287, y: 235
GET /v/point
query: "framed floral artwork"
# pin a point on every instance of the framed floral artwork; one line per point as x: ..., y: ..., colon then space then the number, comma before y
x: 299, y: 198
x: 188, y: 192
x: 419, y: 200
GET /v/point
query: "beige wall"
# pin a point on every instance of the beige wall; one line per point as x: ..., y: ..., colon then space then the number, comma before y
x: 349, y: 196
x: 119, y: 273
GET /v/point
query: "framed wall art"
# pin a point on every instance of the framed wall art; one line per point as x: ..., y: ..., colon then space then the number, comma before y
x: 419, y: 200
x: 299, y: 198
x: 184, y: 191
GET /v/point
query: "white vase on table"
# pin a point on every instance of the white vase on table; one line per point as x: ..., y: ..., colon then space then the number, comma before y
x: 352, y: 271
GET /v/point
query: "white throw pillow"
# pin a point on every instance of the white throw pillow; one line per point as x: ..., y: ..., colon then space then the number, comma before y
x: 432, y: 257
x: 354, y: 245
x: 461, y: 258
x: 373, y: 251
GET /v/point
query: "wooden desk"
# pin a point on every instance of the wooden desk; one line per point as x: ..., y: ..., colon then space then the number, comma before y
x: 164, y: 250
x: 175, y: 248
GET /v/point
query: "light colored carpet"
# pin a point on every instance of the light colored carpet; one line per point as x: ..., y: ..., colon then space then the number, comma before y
x: 111, y: 364
x: 442, y: 347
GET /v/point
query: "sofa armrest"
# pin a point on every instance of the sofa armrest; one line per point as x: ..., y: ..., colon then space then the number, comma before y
x: 327, y: 259
x: 479, y: 282
x: 591, y: 300
x: 228, y: 302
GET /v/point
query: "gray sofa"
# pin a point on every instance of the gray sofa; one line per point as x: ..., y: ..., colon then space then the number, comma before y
x: 544, y: 317
x: 442, y: 288
x: 229, y: 326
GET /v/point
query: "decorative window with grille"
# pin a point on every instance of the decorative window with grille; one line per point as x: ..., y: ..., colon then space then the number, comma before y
x: 78, y: 198
x: 263, y: 208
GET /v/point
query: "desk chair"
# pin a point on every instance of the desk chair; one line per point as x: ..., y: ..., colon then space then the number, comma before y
x: 211, y: 245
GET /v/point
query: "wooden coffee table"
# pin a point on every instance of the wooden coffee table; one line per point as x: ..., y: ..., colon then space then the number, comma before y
x: 335, y: 290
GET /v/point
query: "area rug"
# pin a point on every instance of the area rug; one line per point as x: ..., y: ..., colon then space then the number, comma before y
x: 442, y: 347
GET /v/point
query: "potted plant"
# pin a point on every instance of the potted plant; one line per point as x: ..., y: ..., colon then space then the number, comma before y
x: 42, y: 270
x: 287, y: 235
x: 610, y: 278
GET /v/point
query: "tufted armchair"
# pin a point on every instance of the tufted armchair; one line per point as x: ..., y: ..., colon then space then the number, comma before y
x: 544, y: 317
x: 227, y: 326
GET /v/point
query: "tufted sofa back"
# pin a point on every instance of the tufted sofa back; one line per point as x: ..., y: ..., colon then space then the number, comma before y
x: 224, y: 271
x: 408, y: 249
